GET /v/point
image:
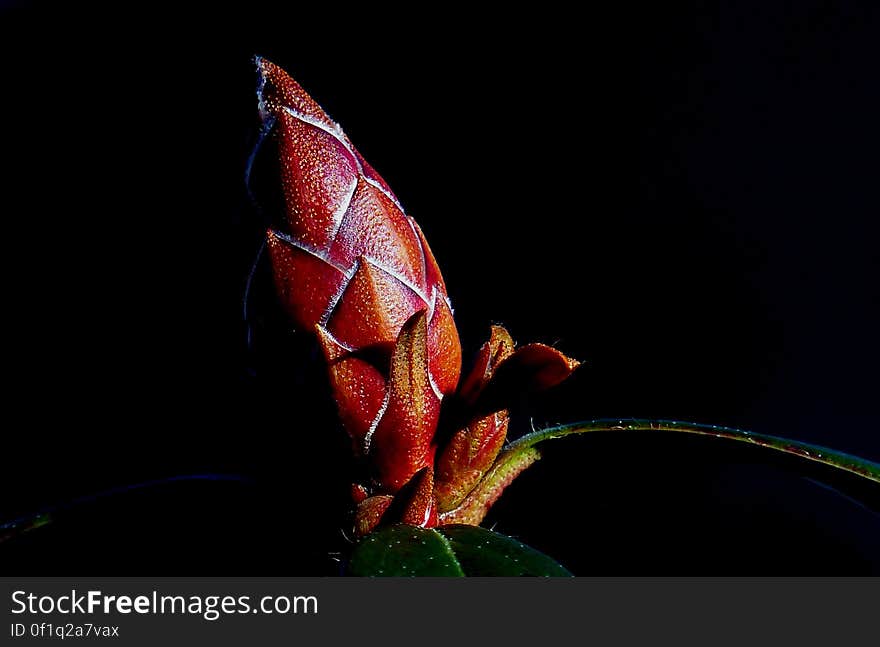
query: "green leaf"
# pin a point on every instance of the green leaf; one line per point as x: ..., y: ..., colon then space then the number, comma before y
x: 850, y: 475
x: 404, y: 551
x: 448, y: 551
x: 482, y: 552
x: 832, y: 458
x: 17, y: 527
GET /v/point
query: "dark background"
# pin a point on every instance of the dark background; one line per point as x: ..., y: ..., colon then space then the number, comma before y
x: 685, y: 199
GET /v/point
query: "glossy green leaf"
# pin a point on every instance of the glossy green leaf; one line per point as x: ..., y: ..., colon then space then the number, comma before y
x: 850, y: 473
x: 829, y: 457
x: 482, y: 552
x: 448, y: 551
x: 404, y: 551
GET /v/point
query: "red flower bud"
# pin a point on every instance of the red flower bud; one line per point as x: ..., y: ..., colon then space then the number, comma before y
x: 352, y: 267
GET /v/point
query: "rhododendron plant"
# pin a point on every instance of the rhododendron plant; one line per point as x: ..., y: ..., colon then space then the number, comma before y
x: 350, y: 270
x: 354, y: 270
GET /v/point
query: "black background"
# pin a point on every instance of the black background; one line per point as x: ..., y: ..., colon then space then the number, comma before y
x: 684, y: 198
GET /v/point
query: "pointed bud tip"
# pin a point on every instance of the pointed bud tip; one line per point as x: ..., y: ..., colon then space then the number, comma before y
x: 277, y: 91
x: 333, y: 350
